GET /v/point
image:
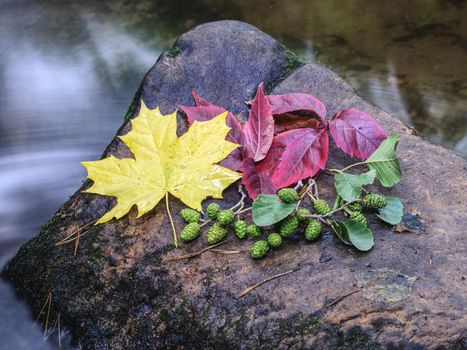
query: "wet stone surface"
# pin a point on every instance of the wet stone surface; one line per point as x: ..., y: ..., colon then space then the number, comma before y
x: 118, y: 293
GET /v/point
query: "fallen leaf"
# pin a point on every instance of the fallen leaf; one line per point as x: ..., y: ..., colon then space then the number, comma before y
x: 291, y: 102
x: 401, y: 228
x: 384, y: 161
x: 295, y: 155
x: 350, y: 186
x: 268, y: 209
x: 255, y: 182
x: 203, y: 111
x: 259, y: 128
x: 164, y: 164
x: 385, y: 285
x: 298, y: 119
x: 356, y: 133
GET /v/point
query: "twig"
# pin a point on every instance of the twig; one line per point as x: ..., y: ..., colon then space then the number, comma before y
x: 47, y: 300
x: 52, y: 330
x: 342, y: 297
x: 68, y: 238
x: 205, y: 223
x: 48, y: 315
x: 48, y: 304
x: 240, y: 203
x: 298, y: 185
x: 222, y: 251
x: 303, y: 192
x: 76, y: 243
x: 191, y: 255
x: 312, y: 197
x: 313, y: 216
x: 59, y: 333
x: 249, y: 289
x: 314, y: 187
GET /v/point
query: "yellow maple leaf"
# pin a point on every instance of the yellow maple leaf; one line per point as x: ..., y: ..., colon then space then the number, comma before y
x: 164, y: 163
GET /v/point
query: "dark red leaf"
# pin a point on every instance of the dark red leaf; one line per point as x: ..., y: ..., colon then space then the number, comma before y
x: 297, y: 102
x: 295, y: 155
x: 295, y: 120
x: 259, y: 128
x: 255, y: 182
x: 356, y: 133
x: 199, y: 101
x: 201, y: 113
x: 234, y: 160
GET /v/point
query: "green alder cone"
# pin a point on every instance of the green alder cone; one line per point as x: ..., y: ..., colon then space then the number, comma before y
x: 275, y: 240
x: 240, y: 227
x: 302, y: 213
x: 313, y: 230
x: 355, y: 206
x: 321, y: 207
x: 359, y: 217
x: 259, y: 249
x: 374, y: 201
x: 254, y: 231
x: 216, y: 233
x: 189, y: 215
x: 288, y: 195
x: 225, y: 217
x: 212, y: 210
x: 190, y: 232
x: 288, y: 226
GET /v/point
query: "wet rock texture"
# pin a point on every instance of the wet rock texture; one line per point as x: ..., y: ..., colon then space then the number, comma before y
x: 409, y: 292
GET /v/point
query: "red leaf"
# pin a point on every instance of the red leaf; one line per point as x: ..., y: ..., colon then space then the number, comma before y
x: 296, y: 102
x: 199, y: 101
x: 201, y: 113
x: 254, y: 181
x: 234, y: 160
x: 356, y: 133
x: 296, y: 120
x: 295, y: 155
x: 205, y: 111
x: 259, y: 128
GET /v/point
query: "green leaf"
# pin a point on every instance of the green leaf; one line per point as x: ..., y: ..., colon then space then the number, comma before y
x: 385, y: 163
x: 337, y: 202
x: 392, y: 212
x: 349, y: 186
x: 341, y: 231
x: 268, y: 209
x: 359, y: 235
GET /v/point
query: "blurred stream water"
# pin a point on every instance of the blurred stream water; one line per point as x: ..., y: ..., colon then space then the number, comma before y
x: 68, y: 71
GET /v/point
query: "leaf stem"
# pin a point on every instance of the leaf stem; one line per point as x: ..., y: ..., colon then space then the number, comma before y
x: 171, y: 220
x: 243, y: 210
x: 205, y: 223
x: 333, y: 170
x: 351, y: 166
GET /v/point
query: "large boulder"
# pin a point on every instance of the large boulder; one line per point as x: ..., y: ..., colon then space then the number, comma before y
x: 118, y: 292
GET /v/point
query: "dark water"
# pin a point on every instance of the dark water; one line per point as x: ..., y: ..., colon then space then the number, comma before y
x: 69, y: 70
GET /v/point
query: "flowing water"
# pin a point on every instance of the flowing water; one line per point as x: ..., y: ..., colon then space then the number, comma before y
x: 68, y: 70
